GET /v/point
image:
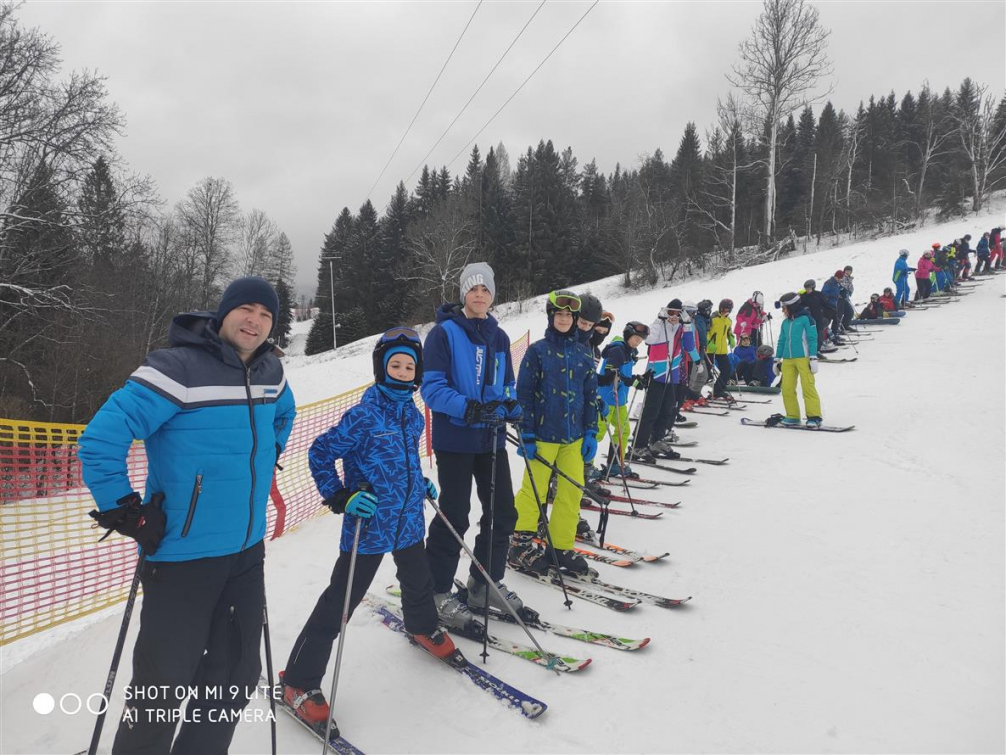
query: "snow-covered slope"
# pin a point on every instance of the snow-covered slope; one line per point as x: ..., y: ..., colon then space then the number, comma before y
x: 848, y: 589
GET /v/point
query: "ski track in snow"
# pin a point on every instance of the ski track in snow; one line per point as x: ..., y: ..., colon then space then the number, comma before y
x: 848, y: 589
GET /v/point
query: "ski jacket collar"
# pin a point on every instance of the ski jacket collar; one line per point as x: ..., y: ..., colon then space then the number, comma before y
x: 477, y: 330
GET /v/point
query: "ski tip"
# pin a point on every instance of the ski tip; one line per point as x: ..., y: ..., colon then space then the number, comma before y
x: 532, y: 710
x: 643, y: 642
x: 623, y: 563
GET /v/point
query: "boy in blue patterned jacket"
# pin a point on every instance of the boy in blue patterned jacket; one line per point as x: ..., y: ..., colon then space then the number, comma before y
x: 383, y: 485
x: 557, y: 390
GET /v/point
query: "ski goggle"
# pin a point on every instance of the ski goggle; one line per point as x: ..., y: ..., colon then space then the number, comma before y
x: 638, y: 329
x: 564, y: 300
x: 607, y: 317
x: 400, y: 334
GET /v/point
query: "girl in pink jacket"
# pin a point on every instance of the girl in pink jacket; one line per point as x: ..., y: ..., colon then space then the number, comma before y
x: 923, y: 271
x: 750, y: 317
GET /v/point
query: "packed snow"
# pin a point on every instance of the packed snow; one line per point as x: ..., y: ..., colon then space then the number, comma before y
x: 847, y: 588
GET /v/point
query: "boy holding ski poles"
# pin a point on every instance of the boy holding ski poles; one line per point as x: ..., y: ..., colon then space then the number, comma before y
x: 381, y: 495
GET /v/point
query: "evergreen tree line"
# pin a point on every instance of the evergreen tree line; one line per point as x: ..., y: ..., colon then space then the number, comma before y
x: 549, y: 222
x: 93, y: 266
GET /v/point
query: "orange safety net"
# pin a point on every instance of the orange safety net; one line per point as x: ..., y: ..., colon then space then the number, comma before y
x: 52, y: 567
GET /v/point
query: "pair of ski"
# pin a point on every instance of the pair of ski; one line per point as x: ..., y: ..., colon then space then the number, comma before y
x: 812, y: 428
x: 600, y: 592
x: 648, y: 558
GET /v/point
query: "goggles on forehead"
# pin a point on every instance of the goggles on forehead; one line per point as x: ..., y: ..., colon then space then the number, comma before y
x: 400, y: 334
x: 638, y: 329
x: 564, y: 300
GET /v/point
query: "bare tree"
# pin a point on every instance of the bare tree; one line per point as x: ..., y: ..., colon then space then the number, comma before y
x: 259, y: 236
x: 936, y: 128
x: 440, y: 245
x: 780, y: 64
x: 212, y: 223
x: 982, y: 138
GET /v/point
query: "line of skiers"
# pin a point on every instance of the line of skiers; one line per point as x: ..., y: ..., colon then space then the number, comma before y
x: 942, y: 266
x: 203, y: 577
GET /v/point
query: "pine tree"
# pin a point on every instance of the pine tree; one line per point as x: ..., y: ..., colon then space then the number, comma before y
x: 282, y: 330
x: 101, y: 227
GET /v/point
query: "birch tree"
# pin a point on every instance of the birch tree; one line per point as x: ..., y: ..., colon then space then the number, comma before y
x: 780, y: 64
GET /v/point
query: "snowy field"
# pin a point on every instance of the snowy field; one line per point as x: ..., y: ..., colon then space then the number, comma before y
x: 848, y: 588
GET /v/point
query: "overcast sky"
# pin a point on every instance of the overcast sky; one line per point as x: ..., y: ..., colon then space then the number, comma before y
x: 300, y: 105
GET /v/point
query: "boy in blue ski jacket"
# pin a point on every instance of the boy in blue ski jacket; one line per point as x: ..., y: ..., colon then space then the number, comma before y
x: 900, y: 278
x: 381, y: 494
x: 557, y: 390
x: 469, y: 388
x: 614, y: 380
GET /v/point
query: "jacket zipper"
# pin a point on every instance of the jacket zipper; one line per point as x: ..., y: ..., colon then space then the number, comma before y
x: 196, y: 490
x: 408, y: 487
x: 251, y: 459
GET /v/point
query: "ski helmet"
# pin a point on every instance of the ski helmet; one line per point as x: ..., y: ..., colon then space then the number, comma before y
x: 758, y: 298
x: 809, y: 285
x: 903, y: 253
x: 874, y: 297
x: 789, y: 300
x: 635, y: 328
x: 764, y: 351
x: 397, y: 341
x: 590, y: 308
x: 727, y: 304
x: 888, y: 290
x: 937, y: 245
x: 562, y: 299
x: 689, y: 307
x: 967, y: 237
x: 928, y: 253
x: 705, y: 306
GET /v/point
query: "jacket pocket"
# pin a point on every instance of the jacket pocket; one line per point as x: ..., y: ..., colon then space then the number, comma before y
x: 197, y: 488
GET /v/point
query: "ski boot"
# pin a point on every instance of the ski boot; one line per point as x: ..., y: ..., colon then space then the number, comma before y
x: 814, y: 421
x: 310, y: 706
x: 790, y: 422
x: 525, y: 555
x: 439, y: 644
x: 583, y: 530
x: 453, y: 612
x: 571, y: 561
x: 662, y: 450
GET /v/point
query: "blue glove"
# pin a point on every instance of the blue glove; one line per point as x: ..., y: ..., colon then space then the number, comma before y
x: 362, y: 504
x: 588, y: 450
x: 431, y: 489
x: 529, y: 449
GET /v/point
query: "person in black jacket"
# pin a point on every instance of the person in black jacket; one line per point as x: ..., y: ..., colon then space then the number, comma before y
x: 874, y: 310
x: 820, y: 311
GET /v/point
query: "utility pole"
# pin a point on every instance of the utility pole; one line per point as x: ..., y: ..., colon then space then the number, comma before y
x: 331, y: 296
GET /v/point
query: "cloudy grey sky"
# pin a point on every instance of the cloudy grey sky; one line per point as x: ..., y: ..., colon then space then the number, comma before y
x: 300, y: 104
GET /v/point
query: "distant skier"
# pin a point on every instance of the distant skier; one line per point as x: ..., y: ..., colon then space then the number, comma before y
x: 983, y: 252
x: 995, y: 247
x: 382, y: 486
x: 900, y: 279
x: 796, y: 355
x: 923, y: 274
x: 832, y: 292
x: 751, y: 316
x: 744, y: 359
x: 720, y: 341
x: 820, y: 312
x: 614, y: 380
x: 887, y: 300
x: 874, y: 310
x: 847, y: 312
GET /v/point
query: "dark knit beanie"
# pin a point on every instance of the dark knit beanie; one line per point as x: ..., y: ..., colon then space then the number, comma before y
x: 250, y: 290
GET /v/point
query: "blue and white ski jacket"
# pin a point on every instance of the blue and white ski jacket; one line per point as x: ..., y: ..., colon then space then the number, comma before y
x: 378, y: 442
x: 557, y: 389
x: 619, y: 358
x: 213, y: 428
x: 465, y: 359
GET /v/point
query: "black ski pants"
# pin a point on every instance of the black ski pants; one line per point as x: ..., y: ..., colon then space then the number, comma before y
x: 313, y: 647
x: 200, y: 630
x: 659, y: 412
x: 455, y: 472
x: 723, y: 365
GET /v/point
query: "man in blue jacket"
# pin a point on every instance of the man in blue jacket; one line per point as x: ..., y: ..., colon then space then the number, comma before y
x: 214, y: 411
x: 469, y: 387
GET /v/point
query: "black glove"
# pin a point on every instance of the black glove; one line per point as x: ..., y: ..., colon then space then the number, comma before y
x: 643, y: 381
x: 145, y: 523
x: 337, y: 502
x: 513, y: 410
x: 482, y: 414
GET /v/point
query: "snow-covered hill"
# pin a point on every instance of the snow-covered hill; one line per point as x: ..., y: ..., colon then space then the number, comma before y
x: 848, y: 589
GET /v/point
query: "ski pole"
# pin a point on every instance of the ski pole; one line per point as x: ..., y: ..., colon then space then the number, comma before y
x: 621, y: 456
x: 155, y: 500
x: 542, y: 519
x: 493, y: 433
x: 268, y: 667
x: 364, y: 486
x: 552, y: 659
